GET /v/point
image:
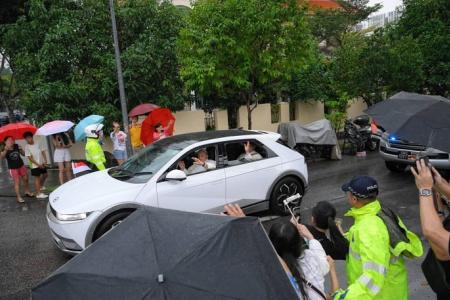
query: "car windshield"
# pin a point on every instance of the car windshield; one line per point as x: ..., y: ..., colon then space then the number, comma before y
x: 142, y: 166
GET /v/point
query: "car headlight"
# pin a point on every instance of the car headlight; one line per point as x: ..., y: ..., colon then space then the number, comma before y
x: 72, y: 217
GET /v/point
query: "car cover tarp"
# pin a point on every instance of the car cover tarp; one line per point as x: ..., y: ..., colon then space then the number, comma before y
x: 316, y: 133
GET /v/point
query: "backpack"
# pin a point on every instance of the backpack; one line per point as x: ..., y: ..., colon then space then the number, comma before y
x: 402, y: 241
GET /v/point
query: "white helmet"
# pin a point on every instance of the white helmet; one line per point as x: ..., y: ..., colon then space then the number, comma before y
x: 93, y: 130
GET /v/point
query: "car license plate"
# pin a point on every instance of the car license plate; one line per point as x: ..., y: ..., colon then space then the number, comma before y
x: 412, y: 157
x: 406, y: 156
x: 403, y: 155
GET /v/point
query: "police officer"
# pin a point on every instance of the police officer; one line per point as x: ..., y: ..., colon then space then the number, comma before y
x: 94, y: 151
x: 375, y: 264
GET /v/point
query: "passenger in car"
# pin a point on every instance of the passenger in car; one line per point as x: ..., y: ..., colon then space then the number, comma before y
x: 201, y: 163
x: 250, y: 154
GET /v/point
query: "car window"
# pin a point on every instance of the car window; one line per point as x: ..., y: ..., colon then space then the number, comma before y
x: 142, y: 166
x: 236, y: 153
x: 200, y: 160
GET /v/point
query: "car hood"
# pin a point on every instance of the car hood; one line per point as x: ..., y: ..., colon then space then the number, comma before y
x: 92, y: 192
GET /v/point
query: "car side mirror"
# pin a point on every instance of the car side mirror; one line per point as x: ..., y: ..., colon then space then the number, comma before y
x: 176, y: 175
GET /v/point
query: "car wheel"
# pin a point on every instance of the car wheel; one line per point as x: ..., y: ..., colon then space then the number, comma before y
x: 110, y: 222
x: 285, y: 188
x: 395, y: 167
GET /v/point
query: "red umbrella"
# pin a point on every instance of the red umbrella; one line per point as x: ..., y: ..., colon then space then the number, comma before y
x: 142, y: 109
x: 16, y: 130
x: 161, y: 116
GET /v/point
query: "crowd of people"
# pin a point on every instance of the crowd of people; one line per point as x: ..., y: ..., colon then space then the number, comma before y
x: 62, y: 142
x: 374, y: 248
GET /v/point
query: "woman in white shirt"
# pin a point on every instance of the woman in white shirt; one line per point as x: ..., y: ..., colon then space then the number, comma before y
x: 62, y: 143
x: 302, y: 257
x: 305, y: 258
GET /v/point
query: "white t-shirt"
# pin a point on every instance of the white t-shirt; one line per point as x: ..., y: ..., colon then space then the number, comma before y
x: 194, y: 169
x: 315, y: 266
x: 119, y: 140
x: 35, y: 151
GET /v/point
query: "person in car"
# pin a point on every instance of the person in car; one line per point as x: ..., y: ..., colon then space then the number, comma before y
x: 201, y: 163
x: 250, y: 154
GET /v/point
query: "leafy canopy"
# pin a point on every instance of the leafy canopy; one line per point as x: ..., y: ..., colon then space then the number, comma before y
x: 63, y: 58
x: 239, y: 47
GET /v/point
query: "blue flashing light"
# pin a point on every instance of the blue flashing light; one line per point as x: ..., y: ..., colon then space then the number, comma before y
x: 392, y: 138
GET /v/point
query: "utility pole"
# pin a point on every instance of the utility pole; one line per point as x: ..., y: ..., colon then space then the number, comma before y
x: 123, y: 100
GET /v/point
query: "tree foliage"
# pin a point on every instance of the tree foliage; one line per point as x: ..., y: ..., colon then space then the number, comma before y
x: 63, y: 58
x: 243, y: 47
x: 329, y: 25
x: 376, y: 66
x: 427, y: 22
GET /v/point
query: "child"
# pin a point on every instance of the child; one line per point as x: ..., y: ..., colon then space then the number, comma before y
x: 16, y: 167
x: 38, y: 160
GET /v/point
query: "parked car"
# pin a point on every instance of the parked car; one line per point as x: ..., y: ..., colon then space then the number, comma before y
x: 398, y: 154
x: 4, y: 118
x: 85, y: 208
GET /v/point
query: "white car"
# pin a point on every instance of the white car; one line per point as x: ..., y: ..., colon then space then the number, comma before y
x: 85, y: 208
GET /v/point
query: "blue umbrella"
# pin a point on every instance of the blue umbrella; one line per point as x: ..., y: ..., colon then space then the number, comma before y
x: 79, y: 129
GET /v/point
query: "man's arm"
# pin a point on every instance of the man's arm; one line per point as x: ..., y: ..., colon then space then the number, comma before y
x: 21, y: 151
x: 441, y: 185
x: 432, y: 227
x: 3, y: 153
x: 30, y: 158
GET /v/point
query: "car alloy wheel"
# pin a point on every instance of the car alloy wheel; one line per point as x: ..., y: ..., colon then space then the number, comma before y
x: 285, y: 188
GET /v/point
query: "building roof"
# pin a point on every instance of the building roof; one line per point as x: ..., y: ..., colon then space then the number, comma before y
x: 324, y: 4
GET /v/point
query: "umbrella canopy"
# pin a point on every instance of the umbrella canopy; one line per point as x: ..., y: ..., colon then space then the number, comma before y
x: 161, y: 116
x: 421, y: 119
x: 54, y: 127
x: 79, y: 129
x: 16, y: 130
x: 142, y: 109
x: 165, y: 254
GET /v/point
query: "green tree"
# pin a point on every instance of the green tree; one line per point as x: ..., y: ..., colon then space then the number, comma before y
x: 427, y: 22
x: 243, y: 47
x: 63, y: 60
x: 329, y: 25
x: 8, y: 91
x: 376, y: 66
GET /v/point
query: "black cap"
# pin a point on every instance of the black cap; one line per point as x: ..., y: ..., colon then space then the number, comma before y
x: 362, y: 187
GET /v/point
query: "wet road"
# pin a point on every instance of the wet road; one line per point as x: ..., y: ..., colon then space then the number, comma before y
x: 27, y: 254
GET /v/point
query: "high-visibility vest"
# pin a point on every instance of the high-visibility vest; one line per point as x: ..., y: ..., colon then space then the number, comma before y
x: 375, y: 269
x: 94, y: 153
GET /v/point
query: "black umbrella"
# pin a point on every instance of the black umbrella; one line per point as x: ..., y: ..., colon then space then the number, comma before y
x: 165, y: 254
x: 420, y: 119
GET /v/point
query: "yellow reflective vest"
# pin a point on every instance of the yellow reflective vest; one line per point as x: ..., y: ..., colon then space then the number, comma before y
x: 94, y: 153
x: 375, y: 270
